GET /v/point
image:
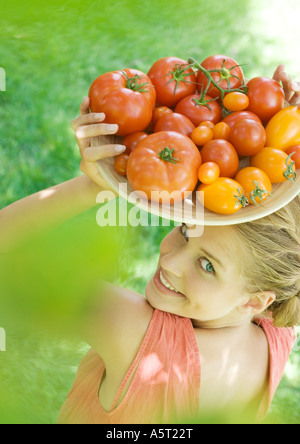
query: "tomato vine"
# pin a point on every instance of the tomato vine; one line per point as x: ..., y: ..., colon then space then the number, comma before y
x: 224, y: 74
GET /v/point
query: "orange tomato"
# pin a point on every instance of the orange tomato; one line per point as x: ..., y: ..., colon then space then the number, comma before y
x: 126, y: 97
x: 173, y: 80
x: 199, y: 109
x: 201, y: 135
x: 283, y: 130
x: 164, y: 162
x: 256, y: 184
x: 222, y: 153
x: 175, y: 122
x: 132, y: 141
x: 160, y: 112
x: 221, y: 131
x: 275, y: 163
x: 121, y: 164
x: 209, y: 172
x: 236, y: 101
x: 295, y: 151
x: 266, y: 97
x: 208, y: 123
x: 248, y: 137
x: 233, y: 118
x: 224, y: 196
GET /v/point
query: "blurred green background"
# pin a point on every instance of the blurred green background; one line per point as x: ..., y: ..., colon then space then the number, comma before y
x: 51, y: 52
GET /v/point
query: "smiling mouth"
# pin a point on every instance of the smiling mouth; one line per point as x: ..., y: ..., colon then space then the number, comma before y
x: 164, y: 285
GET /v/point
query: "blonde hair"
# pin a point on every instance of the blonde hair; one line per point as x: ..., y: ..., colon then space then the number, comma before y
x: 274, y: 246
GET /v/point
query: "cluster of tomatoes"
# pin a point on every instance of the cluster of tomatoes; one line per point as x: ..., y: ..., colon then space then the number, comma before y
x: 186, y: 122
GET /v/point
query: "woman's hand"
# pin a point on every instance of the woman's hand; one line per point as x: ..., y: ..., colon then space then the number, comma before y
x: 87, y: 126
x: 291, y: 88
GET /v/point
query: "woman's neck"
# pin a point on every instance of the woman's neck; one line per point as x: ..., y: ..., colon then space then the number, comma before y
x: 228, y: 322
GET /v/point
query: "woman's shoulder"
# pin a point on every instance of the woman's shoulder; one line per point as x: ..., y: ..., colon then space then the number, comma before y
x: 234, y: 368
x: 117, y: 322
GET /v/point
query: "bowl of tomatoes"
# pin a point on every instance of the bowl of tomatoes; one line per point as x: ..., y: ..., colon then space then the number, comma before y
x: 203, y: 145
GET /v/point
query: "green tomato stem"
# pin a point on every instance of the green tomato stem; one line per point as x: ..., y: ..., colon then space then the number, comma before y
x: 258, y: 192
x: 289, y: 173
x: 167, y: 155
x: 225, y: 74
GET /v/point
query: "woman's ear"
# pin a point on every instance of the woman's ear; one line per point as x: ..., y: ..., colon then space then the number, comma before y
x: 258, y: 302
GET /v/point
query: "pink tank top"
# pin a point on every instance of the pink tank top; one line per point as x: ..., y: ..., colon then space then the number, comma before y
x: 165, y: 387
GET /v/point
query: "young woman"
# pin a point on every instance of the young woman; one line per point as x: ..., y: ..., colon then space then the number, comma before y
x: 213, y: 332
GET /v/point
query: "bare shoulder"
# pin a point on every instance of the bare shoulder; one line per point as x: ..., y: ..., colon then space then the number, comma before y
x: 234, y: 369
x: 125, y: 307
x: 117, y: 321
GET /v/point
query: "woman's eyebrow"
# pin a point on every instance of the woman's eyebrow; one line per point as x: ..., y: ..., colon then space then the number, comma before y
x: 211, y: 256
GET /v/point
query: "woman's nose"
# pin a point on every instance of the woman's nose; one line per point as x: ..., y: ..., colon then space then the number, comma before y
x: 173, y: 263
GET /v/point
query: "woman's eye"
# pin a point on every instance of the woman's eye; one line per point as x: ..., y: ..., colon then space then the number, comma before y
x: 184, y: 231
x: 206, y: 265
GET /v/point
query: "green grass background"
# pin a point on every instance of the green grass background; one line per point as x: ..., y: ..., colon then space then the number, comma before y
x: 51, y: 52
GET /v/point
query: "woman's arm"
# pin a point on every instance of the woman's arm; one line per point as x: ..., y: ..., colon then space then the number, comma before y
x: 56, y: 205
x: 46, y: 209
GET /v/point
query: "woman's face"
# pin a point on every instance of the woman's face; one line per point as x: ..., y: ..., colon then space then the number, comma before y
x: 203, y: 276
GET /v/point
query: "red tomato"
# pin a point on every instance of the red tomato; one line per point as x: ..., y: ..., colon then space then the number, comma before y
x: 224, y: 196
x: 172, y: 79
x: 165, y: 161
x: 175, y: 122
x: 199, y: 110
x: 295, y: 157
x: 239, y: 115
x: 132, y: 141
x: 266, y: 98
x: 248, y: 137
x: 229, y: 72
x: 256, y: 184
x: 236, y: 101
x: 127, y: 98
x: 120, y: 164
x: 276, y: 164
x: 209, y: 172
x: 160, y: 112
x: 222, y: 153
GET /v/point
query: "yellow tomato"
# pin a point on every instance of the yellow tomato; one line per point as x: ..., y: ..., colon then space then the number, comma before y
x: 277, y: 165
x: 224, y: 196
x: 283, y: 130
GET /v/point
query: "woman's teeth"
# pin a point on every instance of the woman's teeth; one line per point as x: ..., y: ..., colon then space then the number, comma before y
x: 166, y: 284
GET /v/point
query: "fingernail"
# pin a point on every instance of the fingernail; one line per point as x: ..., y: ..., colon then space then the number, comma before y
x: 99, y: 116
x: 294, y: 86
x: 120, y: 148
x: 111, y: 128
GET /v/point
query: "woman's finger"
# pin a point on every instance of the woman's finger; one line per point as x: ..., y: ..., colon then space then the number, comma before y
x: 286, y: 84
x: 85, y: 106
x: 95, y: 130
x: 280, y: 69
x: 102, y: 152
x: 295, y: 99
x: 87, y: 119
